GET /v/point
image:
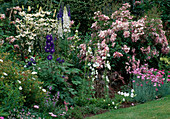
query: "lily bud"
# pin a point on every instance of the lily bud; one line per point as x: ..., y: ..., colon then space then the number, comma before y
x: 23, y: 7
x: 54, y: 13
x: 40, y: 9
x: 29, y: 8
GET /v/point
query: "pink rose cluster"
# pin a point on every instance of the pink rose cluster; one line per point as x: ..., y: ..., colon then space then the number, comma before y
x: 156, y: 76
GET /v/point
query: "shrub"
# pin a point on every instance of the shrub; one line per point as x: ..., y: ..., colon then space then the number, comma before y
x: 10, y: 97
x: 23, y: 82
x: 120, y: 44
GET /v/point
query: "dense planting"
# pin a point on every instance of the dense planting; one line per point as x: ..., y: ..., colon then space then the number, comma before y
x: 48, y: 69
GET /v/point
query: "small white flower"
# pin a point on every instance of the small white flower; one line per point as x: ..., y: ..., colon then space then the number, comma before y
x: 89, y: 64
x: 132, y: 90
x: 33, y: 78
x: 108, y: 66
x: 44, y: 90
x: 34, y: 72
x: 5, y: 74
x: 108, y: 55
x: 1, y: 60
x: 96, y: 72
x: 107, y: 86
x: 96, y: 64
x: 92, y: 73
x: 29, y: 50
x: 118, y: 92
x: 113, y: 103
x: 126, y: 95
x: 121, y: 93
x: 115, y: 107
x: 19, y: 81
x: 20, y: 88
x: 107, y: 79
x: 132, y: 95
x: 40, y: 87
x: 103, y: 58
x: 108, y: 104
x: 123, y: 99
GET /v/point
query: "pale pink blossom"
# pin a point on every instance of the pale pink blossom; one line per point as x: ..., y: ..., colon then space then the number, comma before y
x: 36, y: 106
x: 126, y: 34
x: 117, y: 54
x: 125, y: 48
x: 16, y: 46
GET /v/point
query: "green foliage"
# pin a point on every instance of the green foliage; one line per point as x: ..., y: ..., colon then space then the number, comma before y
x: 87, y: 8
x: 61, y: 76
x: 10, y: 97
x: 21, y: 83
x: 144, y: 93
x: 164, y: 63
x: 99, y: 102
x: 7, y: 29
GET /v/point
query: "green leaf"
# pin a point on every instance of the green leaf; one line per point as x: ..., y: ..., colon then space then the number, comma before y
x: 76, y: 82
x: 74, y: 70
x: 67, y: 64
x: 1, y: 24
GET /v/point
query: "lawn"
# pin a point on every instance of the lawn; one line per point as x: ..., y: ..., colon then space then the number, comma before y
x: 158, y: 109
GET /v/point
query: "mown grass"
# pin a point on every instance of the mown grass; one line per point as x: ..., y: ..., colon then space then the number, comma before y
x: 158, y: 109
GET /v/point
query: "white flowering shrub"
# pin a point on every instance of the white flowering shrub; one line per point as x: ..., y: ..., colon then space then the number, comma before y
x: 33, y: 28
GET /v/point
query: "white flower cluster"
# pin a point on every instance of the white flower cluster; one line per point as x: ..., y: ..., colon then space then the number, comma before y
x: 66, y: 21
x: 107, y: 78
x: 132, y: 94
x: 107, y: 64
x: 35, y: 25
x: 44, y: 90
x: 94, y: 72
x: 96, y: 64
x: 60, y: 29
x: 75, y: 39
x: 89, y: 52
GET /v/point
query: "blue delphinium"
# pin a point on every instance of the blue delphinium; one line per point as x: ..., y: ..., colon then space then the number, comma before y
x: 31, y: 62
x: 49, y: 46
x: 60, y: 60
x: 60, y: 14
x: 69, y: 13
x: 49, y: 57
